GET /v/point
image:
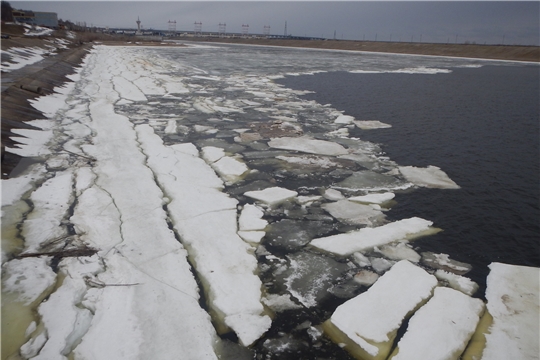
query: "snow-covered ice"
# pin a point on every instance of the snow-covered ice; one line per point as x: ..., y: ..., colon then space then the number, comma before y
x: 308, y: 145
x: 442, y: 328
x: 157, y: 154
x: 367, y: 324
x: 461, y: 283
x: 371, y: 124
x: 272, y: 196
x: 367, y: 238
x: 431, y: 177
x: 513, y: 301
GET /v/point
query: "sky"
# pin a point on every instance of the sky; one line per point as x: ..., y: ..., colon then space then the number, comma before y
x: 491, y: 22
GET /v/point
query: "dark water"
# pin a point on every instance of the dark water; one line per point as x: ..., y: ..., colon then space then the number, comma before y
x: 480, y: 126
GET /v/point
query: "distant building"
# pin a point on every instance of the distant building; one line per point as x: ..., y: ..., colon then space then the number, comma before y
x: 46, y: 19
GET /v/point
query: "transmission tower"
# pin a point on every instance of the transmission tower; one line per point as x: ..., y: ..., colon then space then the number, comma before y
x: 266, y: 30
x: 222, y: 29
x: 172, y: 27
x: 285, y: 32
x: 245, y: 30
x: 198, y: 28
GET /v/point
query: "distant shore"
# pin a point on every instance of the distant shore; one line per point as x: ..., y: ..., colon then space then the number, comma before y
x: 494, y: 52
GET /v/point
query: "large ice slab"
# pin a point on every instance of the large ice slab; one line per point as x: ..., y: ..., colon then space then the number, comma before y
x: 224, y: 262
x: 441, y: 329
x: 368, y: 323
x: 367, y: 238
x: 353, y: 213
x: 513, y: 301
x: 430, y: 177
x: 272, y: 196
x: 308, y: 145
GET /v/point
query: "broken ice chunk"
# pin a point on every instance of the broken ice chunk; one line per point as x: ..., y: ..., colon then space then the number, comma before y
x: 368, y: 323
x: 463, y: 284
x: 251, y: 218
x: 367, y: 238
x: 308, y: 145
x: 280, y: 303
x: 443, y: 261
x: 371, y: 124
x: 272, y: 196
x: 211, y: 154
x: 333, y: 195
x: 442, y: 328
x: 253, y: 237
x: 380, y: 265
x: 512, y: 301
x: 373, y: 198
x: 366, y: 277
x: 430, y: 177
x: 369, y: 180
x: 352, y: 213
x: 361, y: 259
x: 399, y: 251
x: 344, y: 119
x: 230, y: 169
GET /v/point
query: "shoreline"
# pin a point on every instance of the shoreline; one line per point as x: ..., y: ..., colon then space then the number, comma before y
x: 52, y: 71
x: 487, y: 52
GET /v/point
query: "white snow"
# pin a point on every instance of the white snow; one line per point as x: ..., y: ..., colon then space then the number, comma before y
x: 280, y: 303
x: 308, y: 145
x: 513, y: 301
x: 371, y: 319
x: 272, y: 196
x: 430, y: 177
x: 13, y: 189
x: 51, y: 204
x: 367, y: 238
x: 28, y: 278
x: 442, y: 328
x: 32, y: 142
x: 21, y: 57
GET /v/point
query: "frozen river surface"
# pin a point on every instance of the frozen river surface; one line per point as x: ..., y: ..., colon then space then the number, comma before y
x: 180, y: 204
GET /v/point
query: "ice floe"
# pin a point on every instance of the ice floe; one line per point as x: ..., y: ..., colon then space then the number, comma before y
x: 308, y: 145
x: 371, y: 124
x: 368, y: 323
x: 272, y: 196
x: 512, y: 301
x: 431, y: 177
x: 461, y: 283
x: 353, y: 213
x: 443, y: 261
x: 367, y: 238
x: 442, y: 328
x: 373, y: 198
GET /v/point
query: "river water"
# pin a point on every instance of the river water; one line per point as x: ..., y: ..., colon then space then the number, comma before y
x: 481, y: 126
x: 477, y: 120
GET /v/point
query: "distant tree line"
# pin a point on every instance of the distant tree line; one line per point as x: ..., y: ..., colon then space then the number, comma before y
x: 7, y: 12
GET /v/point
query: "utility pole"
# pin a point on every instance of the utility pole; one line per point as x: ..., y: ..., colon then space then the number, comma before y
x: 198, y: 28
x: 334, y: 34
x: 285, y: 32
x: 222, y: 29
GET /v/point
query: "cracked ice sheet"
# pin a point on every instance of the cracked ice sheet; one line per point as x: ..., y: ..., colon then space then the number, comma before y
x: 142, y: 321
x: 223, y: 260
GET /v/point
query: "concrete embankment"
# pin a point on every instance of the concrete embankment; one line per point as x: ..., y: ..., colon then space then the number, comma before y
x: 29, y: 82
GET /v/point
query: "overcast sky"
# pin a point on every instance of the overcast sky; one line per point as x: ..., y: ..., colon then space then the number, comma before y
x: 513, y: 22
